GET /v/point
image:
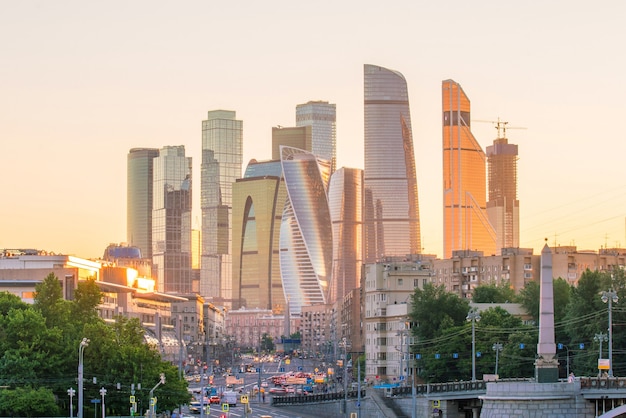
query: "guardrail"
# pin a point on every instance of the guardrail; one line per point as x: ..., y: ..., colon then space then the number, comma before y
x: 602, y: 382
x: 315, y: 397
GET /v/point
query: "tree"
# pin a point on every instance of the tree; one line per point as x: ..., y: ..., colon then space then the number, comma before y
x: 28, y: 402
x: 49, y: 301
x: 435, y: 309
x: 87, y: 297
x: 267, y: 342
x: 491, y: 293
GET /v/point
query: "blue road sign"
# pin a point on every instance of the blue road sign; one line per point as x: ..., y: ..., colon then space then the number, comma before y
x: 455, y: 355
x: 282, y: 370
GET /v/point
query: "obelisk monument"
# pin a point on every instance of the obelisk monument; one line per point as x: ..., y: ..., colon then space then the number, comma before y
x: 546, y: 364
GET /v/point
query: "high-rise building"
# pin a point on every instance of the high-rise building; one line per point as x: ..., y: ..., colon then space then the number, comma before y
x: 300, y: 137
x: 346, y: 204
x: 322, y: 117
x: 391, y: 224
x: 139, y: 174
x: 258, y: 201
x: 222, y: 153
x: 305, y: 231
x: 171, y: 220
x: 503, y: 206
x: 465, y: 222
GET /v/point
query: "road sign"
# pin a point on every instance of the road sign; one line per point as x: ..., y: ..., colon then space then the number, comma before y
x: 225, y: 407
x: 282, y: 370
x: 95, y: 401
x: 299, y: 368
x: 244, y: 398
x: 288, y: 361
x: 132, y: 399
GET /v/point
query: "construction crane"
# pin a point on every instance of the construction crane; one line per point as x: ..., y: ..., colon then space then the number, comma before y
x: 500, y: 125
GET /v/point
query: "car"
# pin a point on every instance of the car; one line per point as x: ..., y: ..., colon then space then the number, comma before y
x: 278, y: 391
x: 215, y: 399
x: 264, y: 384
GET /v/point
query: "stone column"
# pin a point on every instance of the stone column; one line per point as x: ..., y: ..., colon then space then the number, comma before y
x: 546, y: 365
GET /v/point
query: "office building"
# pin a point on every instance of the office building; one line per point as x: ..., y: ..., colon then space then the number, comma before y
x: 300, y: 137
x: 222, y: 150
x: 345, y: 203
x: 139, y: 172
x: 322, y: 117
x: 465, y: 222
x: 503, y: 206
x: 258, y: 201
x: 305, y: 231
x: 171, y: 221
x: 391, y: 209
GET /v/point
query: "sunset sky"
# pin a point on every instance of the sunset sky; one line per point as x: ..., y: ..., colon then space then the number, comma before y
x: 83, y: 82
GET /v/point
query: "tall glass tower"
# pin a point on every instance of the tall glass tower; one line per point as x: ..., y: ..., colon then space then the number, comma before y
x: 305, y: 232
x: 465, y: 222
x: 139, y: 172
x: 346, y: 203
x: 222, y: 153
x: 171, y: 220
x: 391, y: 209
x: 322, y: 117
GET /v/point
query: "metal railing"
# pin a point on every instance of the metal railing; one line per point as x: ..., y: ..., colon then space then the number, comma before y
x: 314, y: 397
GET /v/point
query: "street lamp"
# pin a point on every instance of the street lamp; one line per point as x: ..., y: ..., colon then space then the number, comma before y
x: 81, y: 349
x: 610, y: 297
x: 497, y: 347
x: 103, y: 392
x: 601, y: 337
x: 71, y: 392
x: 474, y: 316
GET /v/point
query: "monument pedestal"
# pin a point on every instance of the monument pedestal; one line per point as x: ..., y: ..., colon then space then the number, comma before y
x: 546, y: 371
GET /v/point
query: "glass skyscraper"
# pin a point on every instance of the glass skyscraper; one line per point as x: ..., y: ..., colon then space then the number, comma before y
x: 171, y: 221
x: 305, y: 231
x: 322, y: 117
x: 139, y: 172
x: 391, y: 208
x: 222, y: 153
x: 345, y: 203
x: 258, y: 202
x: 465, y: 222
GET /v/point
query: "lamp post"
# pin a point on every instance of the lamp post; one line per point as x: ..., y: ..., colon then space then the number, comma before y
x: 81, y: 349
x: 497, y: 347
x: 103, y: 392
x: 71, y: 392
x: 610, y: 296
x: 474, y: 316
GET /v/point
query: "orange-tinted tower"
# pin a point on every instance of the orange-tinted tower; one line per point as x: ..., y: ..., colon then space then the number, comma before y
x: 465, y: 222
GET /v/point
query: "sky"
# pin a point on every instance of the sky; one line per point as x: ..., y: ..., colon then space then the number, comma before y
x: 83, y: 82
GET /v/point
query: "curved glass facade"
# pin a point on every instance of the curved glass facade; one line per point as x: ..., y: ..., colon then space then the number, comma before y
x: 391, y: 207
x: 345, y: 203
x: 465, y: 222
x: 305, y: 232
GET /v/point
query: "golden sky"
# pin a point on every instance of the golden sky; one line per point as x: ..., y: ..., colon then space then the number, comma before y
x: 83, y: 82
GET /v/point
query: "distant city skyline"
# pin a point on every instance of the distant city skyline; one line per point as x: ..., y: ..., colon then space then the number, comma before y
x: 78, y: 96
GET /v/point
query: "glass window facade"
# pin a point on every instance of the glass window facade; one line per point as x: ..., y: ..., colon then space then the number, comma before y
x: 139, y: 199
x: 391, y: 207
x: 222, y: 153
x: 465, y: 222
x: 305, y: 231
x: 322, y: 117
x: 171, y: 220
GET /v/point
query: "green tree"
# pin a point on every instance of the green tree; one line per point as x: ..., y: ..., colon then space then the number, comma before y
x: 435, y: 309
x: 28, y: 402
x: 267, y: 342
x: 87, y: 297
x: 49, y: 301
x: 491, y: 293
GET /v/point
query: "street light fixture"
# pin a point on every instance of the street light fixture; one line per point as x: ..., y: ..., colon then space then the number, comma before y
x: 71, y: 392
x: 497, y: 347
x: 610, y: 297
x: 103, y: 392
x: 601, y: 337
x: 81, y: 349
x: 474, y: 316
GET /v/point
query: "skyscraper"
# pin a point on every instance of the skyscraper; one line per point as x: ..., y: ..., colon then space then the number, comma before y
x: 258, y: 201
x: 139, y: 174
x: 171, y: 220
x: 465, y: 222
x: 305, y: 231
x: 503, y: 206
x: 322, y: 117
x: 222, y: 151
x: 300, y: 137
x: 345, y: 203
x: 391, y: 224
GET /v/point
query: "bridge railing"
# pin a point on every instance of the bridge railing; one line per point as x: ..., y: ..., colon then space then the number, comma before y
x: 459, y: 386
x: 315, y: 397
x: 602, y: 382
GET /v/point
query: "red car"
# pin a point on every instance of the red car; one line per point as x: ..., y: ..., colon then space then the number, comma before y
x: 215, y: 399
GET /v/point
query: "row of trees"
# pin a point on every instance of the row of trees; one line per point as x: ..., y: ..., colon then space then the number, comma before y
x: 39, y: 356
x: 443, y: 335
